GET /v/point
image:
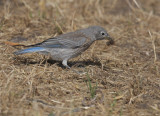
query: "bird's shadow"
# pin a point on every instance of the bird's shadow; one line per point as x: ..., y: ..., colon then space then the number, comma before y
x: 31, y: 61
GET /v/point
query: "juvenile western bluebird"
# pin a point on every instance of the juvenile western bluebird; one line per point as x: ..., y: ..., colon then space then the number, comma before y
x: 69, y: 45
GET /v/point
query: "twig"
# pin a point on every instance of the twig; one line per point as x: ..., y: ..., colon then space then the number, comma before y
x: 154, y: 47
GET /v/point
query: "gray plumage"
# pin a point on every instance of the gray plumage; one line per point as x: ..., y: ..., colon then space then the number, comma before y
x: 69, y: 45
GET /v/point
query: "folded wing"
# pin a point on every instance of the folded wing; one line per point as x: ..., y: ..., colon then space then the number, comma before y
x: 69, y: 40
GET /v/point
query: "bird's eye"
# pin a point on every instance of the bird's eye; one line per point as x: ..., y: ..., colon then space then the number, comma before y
x: 102, y: 33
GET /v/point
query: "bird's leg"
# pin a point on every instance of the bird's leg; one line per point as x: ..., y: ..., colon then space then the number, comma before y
x: 64, y: 62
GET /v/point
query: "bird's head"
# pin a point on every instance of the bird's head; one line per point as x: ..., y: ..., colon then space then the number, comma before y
x: 101, y: 34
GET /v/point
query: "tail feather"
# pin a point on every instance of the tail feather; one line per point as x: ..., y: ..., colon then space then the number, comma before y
x: 29, y: 50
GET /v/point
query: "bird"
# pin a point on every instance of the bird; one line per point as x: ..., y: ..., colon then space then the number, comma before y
x: 69, y: 45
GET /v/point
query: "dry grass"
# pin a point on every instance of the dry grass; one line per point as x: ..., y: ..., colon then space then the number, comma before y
x: 125, y: 77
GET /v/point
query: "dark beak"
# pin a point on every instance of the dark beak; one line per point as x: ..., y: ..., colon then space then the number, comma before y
x: 111, y: 41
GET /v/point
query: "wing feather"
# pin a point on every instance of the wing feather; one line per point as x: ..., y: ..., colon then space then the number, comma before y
x: 70, y: 40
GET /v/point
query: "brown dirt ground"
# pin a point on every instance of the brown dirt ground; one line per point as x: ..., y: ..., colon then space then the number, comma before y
x: 127, y: 74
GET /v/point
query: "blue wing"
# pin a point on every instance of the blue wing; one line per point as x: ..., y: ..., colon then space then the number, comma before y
x: 29, y: 50
x: 69, y: 40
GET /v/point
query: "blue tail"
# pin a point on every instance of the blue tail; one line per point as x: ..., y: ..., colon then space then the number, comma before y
x: 29, y: 50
